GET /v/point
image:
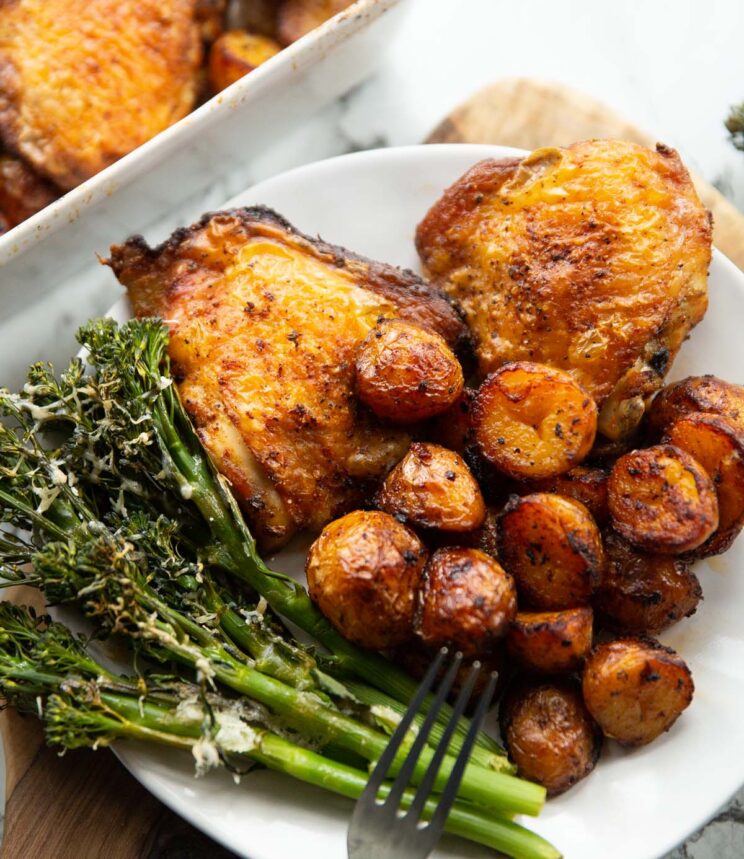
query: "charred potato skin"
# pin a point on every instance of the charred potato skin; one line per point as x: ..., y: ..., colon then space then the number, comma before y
x: 551, y: 642
x: 643, y: 593
x: 553, y: 548
x: 718, y: 445
x: 549, y: 733
x: 363, y: 572
x: 466, y: 601
x: 405, y: 373
x: 236, y: 53
x: 584, y: 483
x: 533, y: 421
x: 662, y: 500
x: 693, y: 395
x: 635, y: 689
x: 432, y: 487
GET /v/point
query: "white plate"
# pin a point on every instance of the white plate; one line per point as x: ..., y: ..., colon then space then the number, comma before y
x: 635, y: 805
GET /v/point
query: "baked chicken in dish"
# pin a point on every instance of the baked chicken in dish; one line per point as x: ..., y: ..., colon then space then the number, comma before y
x: 265, y: 325
x: 592, y: 259
x: 83, y: 83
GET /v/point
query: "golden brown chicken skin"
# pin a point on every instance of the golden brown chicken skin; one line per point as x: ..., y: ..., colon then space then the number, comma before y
x: 592, y: 259
x: 83, y: 82
x: 265, y: 325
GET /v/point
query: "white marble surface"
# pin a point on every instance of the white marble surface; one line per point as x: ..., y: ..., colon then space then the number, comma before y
x: 674, y: 68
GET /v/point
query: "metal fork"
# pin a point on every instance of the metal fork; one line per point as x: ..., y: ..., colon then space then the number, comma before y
x: 379, y: 829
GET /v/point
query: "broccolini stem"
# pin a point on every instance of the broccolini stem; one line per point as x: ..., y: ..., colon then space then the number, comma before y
x: 153, y: 722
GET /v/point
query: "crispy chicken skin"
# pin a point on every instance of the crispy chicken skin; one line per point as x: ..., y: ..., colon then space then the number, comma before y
x: 83, y: 82
x: 22, y: 192
x: 265, y: 324
x: 592, y: 259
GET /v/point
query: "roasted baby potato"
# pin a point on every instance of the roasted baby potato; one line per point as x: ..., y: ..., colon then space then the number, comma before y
x: 549, y: 733
x: 635, y: 689
x: 256, y: 16
x: 236, y: 53
x: 644, y: 593
x: 533, y: 421
x: 432, y: 487
x: 662, y: 500
x: 551, y: 642
x: 363, y: 572
x: 465, y: 601
x: 553, y: 548
x: 718, y: 445
x: 405, y: 373
x: 692, y: 395
x: 453, y: 428
x: 584, y: 483
x: 298, y: 17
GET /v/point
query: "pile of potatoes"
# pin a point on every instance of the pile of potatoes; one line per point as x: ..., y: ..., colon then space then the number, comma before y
x: 510, y: 533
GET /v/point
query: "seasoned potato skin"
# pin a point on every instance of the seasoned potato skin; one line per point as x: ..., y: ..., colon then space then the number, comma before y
x: 465, y: 601
x: 432, y: 487
x: 405, y: 373
x: 236, y: 53
x: 636, y: 689
x: 584, y: 483
x: 644, y: 593
x: 549, y: 733
x: 718, y: 445
x: 553, y: 548
x: 662, y: 500
x: 692, y: 395
x: 298, y: 17
x: 551, y: 642
x: 533, y: 421
x: 362, y: 572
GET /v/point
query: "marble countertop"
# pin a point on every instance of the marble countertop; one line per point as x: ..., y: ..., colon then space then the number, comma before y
x: 672, y: 68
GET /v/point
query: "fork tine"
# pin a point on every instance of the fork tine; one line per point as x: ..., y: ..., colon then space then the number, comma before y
x: 409, y: 764
x: 427, y: 783
x: 449, y: 794
x: 379, y: 773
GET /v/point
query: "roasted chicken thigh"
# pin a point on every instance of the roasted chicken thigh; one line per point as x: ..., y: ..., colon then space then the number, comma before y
x: 265, y: 325
x: 83, y: 82
x: 592, y: 259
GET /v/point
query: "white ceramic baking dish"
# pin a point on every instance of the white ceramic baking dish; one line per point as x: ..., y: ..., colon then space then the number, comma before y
x: 213, y: 145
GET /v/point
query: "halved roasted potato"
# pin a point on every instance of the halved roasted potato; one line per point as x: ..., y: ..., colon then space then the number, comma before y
x: 533, y: 421
x: 236, y: 53
x: 549, y: 733
x: 406, y: 373
x: 551, y: 642
x: 553, y: 548
x: 584, y: 483
x: 636, y: 689
x: 645, y: 593
x: 466, y: 601
x: 363, y: 572
x: 432, y: 487
x: 693, y: 395
x: 718, y: 445
x: 662, y: 500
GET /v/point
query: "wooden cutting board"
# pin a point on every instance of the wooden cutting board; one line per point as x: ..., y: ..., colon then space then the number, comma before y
x: 85, y: 805
x: 528, y: 114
